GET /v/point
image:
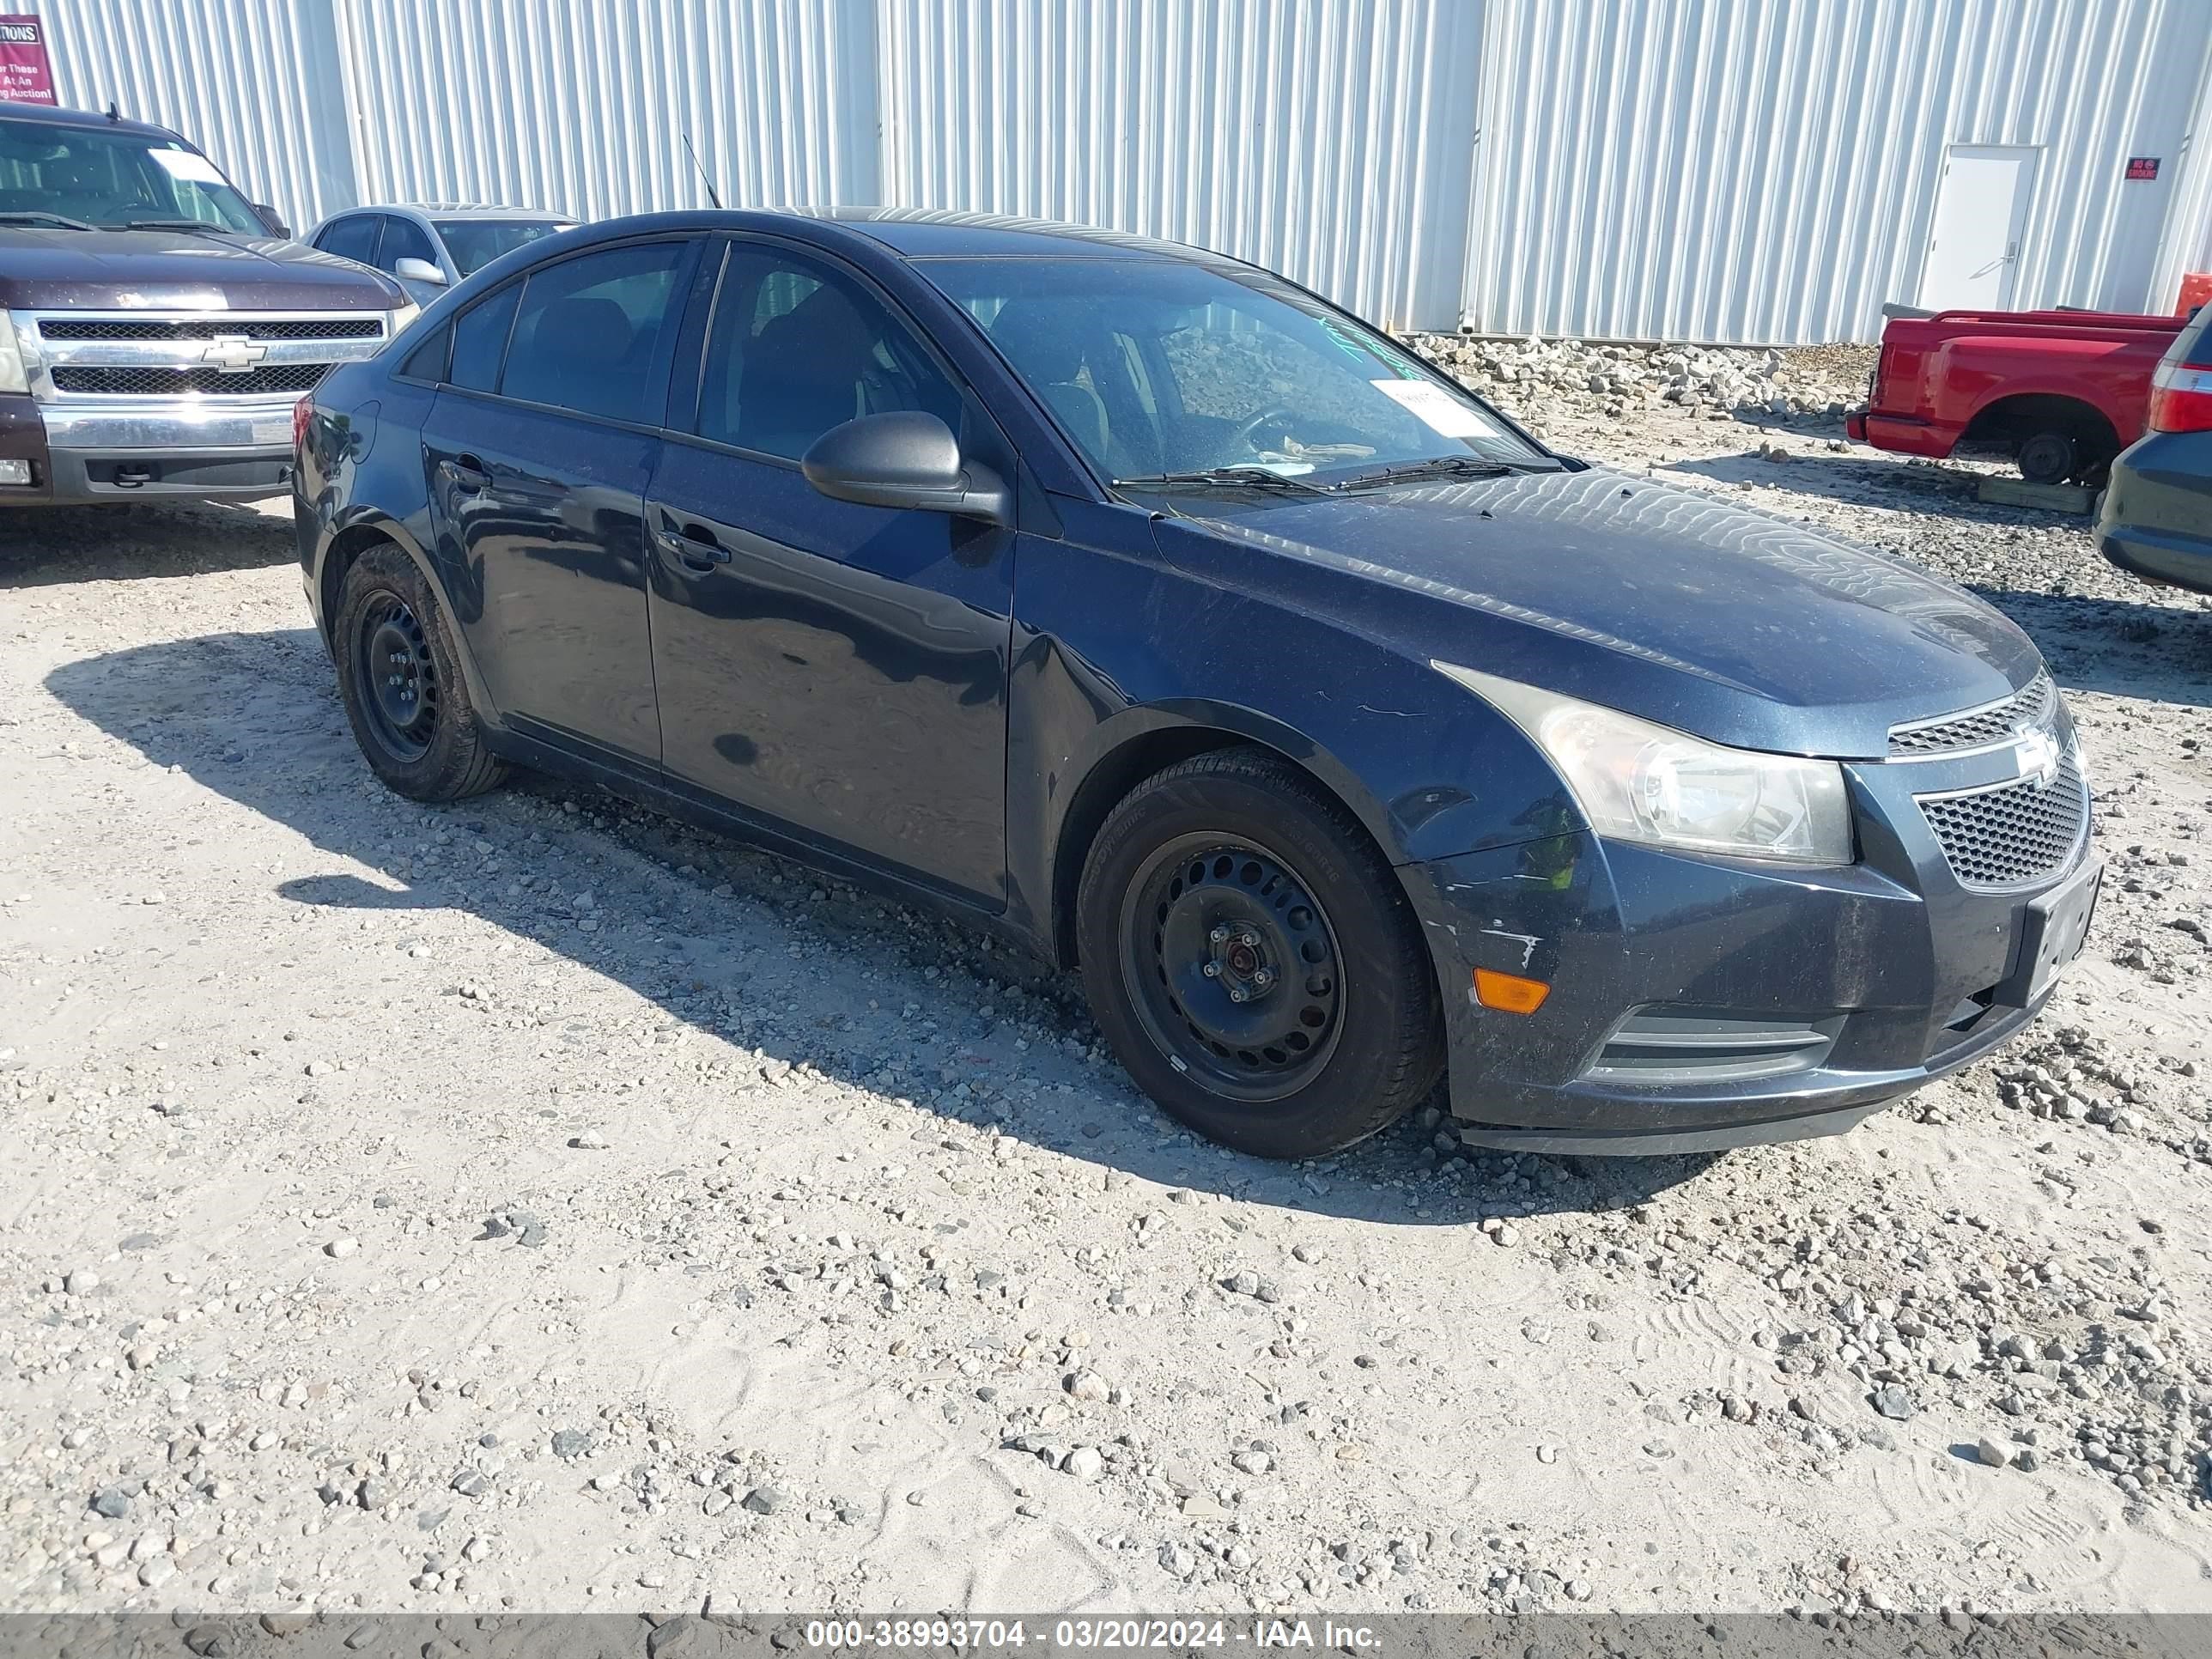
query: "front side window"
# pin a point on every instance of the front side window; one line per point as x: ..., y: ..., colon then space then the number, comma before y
x: 404, y: 239
x: 115, y: 181
x: 475, y: 243
x: 1156, y: 367
x: 352, y: 238
x: 588, y: 331
x: 798, y: 347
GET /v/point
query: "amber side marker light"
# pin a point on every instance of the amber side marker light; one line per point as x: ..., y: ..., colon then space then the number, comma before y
x: 1509, y: 994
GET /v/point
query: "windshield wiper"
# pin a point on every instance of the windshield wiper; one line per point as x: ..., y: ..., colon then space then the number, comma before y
x: 38, y: 218
x: 1240, y: 478
x: 170, y: 224
x: 1448, y: 466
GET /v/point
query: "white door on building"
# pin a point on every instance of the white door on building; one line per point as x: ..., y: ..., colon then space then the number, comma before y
x: 1981, y: 211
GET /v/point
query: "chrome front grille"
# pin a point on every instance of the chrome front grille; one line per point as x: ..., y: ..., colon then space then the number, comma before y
x: 246, y: 324
x: 2008, y: 835
x: 2034, y: 706
x: 90, y: 361
x: 104, y: 382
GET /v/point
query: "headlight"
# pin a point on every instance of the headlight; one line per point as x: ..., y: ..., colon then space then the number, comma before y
x: 396, y: 321
x: 1639, y: 782
x: 12, y: 378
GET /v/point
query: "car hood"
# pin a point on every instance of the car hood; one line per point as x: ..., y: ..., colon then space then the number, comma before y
x: 1659, y: 601
x: 43, y: 268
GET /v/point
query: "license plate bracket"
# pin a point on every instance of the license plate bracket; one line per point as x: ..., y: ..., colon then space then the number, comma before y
x: 2053, y: 930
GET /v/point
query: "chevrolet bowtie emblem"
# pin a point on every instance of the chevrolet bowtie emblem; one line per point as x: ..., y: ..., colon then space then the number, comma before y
x: 2036, y: 754
x: 234, y: 354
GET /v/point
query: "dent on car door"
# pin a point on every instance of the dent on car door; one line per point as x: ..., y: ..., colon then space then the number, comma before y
x: 538, y: 450
x: 837, y: 668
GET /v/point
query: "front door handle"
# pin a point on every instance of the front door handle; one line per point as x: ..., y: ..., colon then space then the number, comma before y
x: 692, y: 547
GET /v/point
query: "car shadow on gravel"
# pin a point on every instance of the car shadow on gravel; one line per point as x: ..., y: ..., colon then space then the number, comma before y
x: 2161, y: 651
x: 50, y: 544
x: 1866, y: 481
x: 253, y: 717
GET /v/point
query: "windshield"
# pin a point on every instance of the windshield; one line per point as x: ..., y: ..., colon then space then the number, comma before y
x: 1158, y: 370
x: 475, y: 243
x: 113, y: 179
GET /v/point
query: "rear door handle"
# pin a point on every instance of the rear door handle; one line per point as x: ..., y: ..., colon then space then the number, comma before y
x: 692, y: 546
x: 467, y: 472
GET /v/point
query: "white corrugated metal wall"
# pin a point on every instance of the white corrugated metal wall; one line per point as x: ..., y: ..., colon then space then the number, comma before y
x: 583, y: 107
x: 1753, y: 170
x: 252, y: 81
x: 1329, y: 140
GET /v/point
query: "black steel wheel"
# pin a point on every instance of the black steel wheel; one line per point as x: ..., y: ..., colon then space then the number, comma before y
x: 1252, y: 959
x: 1232, y: 966
x: 393, y: 662
x: 399, y: 676
x: 2048, y: 458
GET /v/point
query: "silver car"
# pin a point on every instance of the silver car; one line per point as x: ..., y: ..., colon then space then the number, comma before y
x: 428, y: 247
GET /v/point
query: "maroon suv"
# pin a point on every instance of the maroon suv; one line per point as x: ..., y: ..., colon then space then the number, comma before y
x: 155, y: 326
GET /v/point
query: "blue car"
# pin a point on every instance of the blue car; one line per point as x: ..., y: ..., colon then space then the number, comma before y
x: 2156, y: 520
x: 1143, y: 606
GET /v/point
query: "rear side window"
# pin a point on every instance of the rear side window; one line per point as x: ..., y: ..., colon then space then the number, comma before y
x: 352, y: 238
x: 587, y: 333
x: 428, y: 361
x: 480, y: 340
x: 404, y: 240
x: 2194, y: 346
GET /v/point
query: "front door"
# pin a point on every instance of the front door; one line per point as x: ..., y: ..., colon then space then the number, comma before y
x: 841, y: 669
x: 538, y: 448
x: 1981, y: 212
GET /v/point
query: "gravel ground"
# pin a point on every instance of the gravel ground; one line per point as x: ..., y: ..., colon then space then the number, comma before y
x: 389, y: 1193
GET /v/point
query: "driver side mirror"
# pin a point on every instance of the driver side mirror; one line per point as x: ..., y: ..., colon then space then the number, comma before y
x: 419, y: 270
x: 907, y: 460
x: 269, y: 219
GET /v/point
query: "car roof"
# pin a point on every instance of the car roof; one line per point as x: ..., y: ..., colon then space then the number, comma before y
x: 50, y: 115
x: 942, y: 233
x: 459, y: 210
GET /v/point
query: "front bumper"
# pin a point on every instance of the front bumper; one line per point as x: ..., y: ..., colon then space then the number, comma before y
x: 2157, y: 517
x: 125, y: 450
x: 1698, y: 1003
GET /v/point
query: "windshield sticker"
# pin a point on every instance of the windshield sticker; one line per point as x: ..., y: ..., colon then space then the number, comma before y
x: 1438, y: 410
x: 1342, y: 340
x: 185, y: 164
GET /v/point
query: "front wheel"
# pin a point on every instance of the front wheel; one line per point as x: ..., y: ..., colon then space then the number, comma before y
x: 1253, y: 961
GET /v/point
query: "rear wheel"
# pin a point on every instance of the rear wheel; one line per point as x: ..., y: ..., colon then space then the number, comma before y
x: 2049, y: 458
x: 1253, y: 961
x: 399, y: 676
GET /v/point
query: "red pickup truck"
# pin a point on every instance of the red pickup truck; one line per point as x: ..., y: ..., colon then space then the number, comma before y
x: 2064, y: 390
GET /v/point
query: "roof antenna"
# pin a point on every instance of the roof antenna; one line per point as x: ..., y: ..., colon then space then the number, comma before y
x: 703, y: 178
x: 113, y: 114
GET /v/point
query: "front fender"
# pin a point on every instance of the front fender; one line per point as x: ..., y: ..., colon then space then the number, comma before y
x: 1113, y: 655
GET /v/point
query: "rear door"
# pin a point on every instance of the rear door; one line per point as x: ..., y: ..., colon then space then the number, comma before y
x: 538, y: 450
x: 839, y: 668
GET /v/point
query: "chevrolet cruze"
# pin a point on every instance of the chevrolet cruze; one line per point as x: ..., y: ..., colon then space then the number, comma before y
x: 1145, y: 607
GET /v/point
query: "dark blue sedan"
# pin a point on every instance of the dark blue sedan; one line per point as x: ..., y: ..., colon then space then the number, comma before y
x: 1142, y: 605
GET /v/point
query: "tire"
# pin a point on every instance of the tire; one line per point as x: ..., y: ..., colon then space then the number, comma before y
x: 428, y: 745
x: 2048, y: 458
x: 1236, y: 859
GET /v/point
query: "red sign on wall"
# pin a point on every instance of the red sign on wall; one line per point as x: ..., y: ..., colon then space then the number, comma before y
x: 27, y: 76
x: 2142, y: 166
